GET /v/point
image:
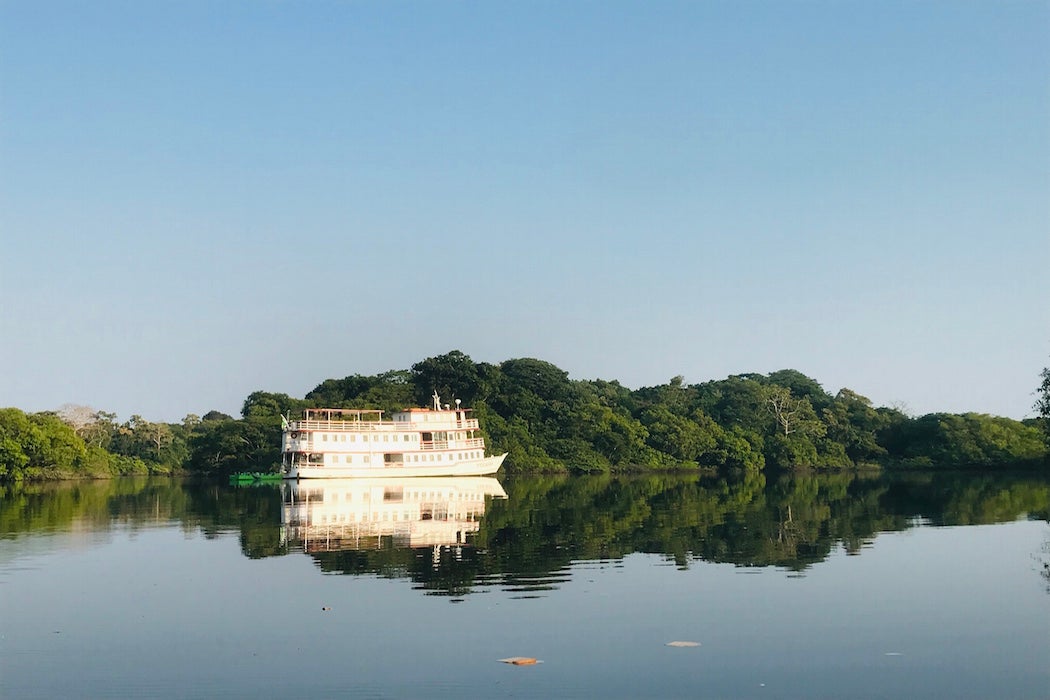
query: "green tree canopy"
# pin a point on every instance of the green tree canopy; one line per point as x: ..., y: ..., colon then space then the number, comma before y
x: 452, y: 375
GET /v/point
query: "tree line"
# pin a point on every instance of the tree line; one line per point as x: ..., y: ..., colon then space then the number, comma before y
x: 548, y: 422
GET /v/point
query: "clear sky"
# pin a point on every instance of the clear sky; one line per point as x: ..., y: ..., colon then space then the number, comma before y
x: 200, y: 199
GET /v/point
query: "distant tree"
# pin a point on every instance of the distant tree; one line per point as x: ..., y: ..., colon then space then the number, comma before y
x: 160, y: 437
x: 742, y: 450
x: 265, y: 405
x: 537, y: 377
x: 854, y: 424
x: 1042, y: 404
x: 142, y: 439
x: 389, y: 391
x: 539, y: 394
x: 610, y: 393
x: 737, y: 401
x: 801, y: 386
x: 16, y: 436
x: 78, y: 417
x: 796, y: 442
x: 967, y: 440
x: 453, y: 376
x: 101, y: 432
x: 792, y: 414
x: 61, y: 448
x: 676, y: 436
x: 94, y: 427
x: 224, y: 447
x: 617, y: 437
x: 40, y: 445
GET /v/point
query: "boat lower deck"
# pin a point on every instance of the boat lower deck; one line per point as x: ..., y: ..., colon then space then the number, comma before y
x: 475, y: 467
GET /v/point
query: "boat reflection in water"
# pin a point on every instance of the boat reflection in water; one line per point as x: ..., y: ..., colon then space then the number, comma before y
x: 346, y: 514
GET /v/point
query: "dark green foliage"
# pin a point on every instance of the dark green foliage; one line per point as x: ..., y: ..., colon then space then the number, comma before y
x: 453, y: 376
x: 226, y: 447
x: 737, y: 402
x: 968, y: 440
x: 267, y: 406
x: 801, y: 386
x: 854, y: 425
x: 37, y: 446
x: 548, y: 422
x: 1042, y: 404
x: 390, y: 391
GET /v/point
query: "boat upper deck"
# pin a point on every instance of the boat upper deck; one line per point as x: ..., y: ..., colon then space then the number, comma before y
x: 370, y: 420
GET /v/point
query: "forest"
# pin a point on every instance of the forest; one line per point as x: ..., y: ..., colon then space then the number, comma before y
x: 549, y: 423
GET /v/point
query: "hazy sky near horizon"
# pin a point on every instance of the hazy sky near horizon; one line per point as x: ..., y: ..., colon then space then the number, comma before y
x: 202, y: 199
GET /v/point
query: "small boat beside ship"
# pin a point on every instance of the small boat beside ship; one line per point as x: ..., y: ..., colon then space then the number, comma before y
x: 253, y: 478
x: 340, y: 443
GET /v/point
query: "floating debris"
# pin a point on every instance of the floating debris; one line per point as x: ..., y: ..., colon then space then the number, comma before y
x: 520, y: 661
x: 325, y: 608
x: 683, y: 644
x: 894, y: 653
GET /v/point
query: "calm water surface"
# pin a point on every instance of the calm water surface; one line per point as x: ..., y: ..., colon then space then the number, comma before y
x: 922, y: 586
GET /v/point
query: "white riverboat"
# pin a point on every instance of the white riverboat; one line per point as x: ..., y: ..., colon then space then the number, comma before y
x: 339, y: 443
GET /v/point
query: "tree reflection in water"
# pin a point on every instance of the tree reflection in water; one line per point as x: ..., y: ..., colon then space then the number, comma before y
x: 452, y: 539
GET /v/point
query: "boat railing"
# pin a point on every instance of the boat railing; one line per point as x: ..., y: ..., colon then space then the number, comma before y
x: 384, y: 426
x: 470, y: 443
x: 456, y: 444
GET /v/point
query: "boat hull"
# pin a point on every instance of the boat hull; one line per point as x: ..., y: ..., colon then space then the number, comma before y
x: 474, y: 467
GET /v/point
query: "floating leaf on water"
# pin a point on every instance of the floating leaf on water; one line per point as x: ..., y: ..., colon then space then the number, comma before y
x: 683, y: 644
x: 520, y: 660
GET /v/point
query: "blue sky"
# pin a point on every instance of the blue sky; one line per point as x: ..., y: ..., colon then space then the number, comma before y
x: 202, y: 199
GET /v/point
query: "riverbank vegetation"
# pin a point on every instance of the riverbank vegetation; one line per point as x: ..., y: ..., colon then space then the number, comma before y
x: 549, y: 423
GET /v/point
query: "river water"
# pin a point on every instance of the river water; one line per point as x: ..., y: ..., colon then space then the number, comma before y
x: 931, y: 585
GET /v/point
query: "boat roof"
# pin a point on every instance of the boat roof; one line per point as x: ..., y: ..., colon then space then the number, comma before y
x: 329, y: 413
x: 364, y: 413
x: 431, y: 410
